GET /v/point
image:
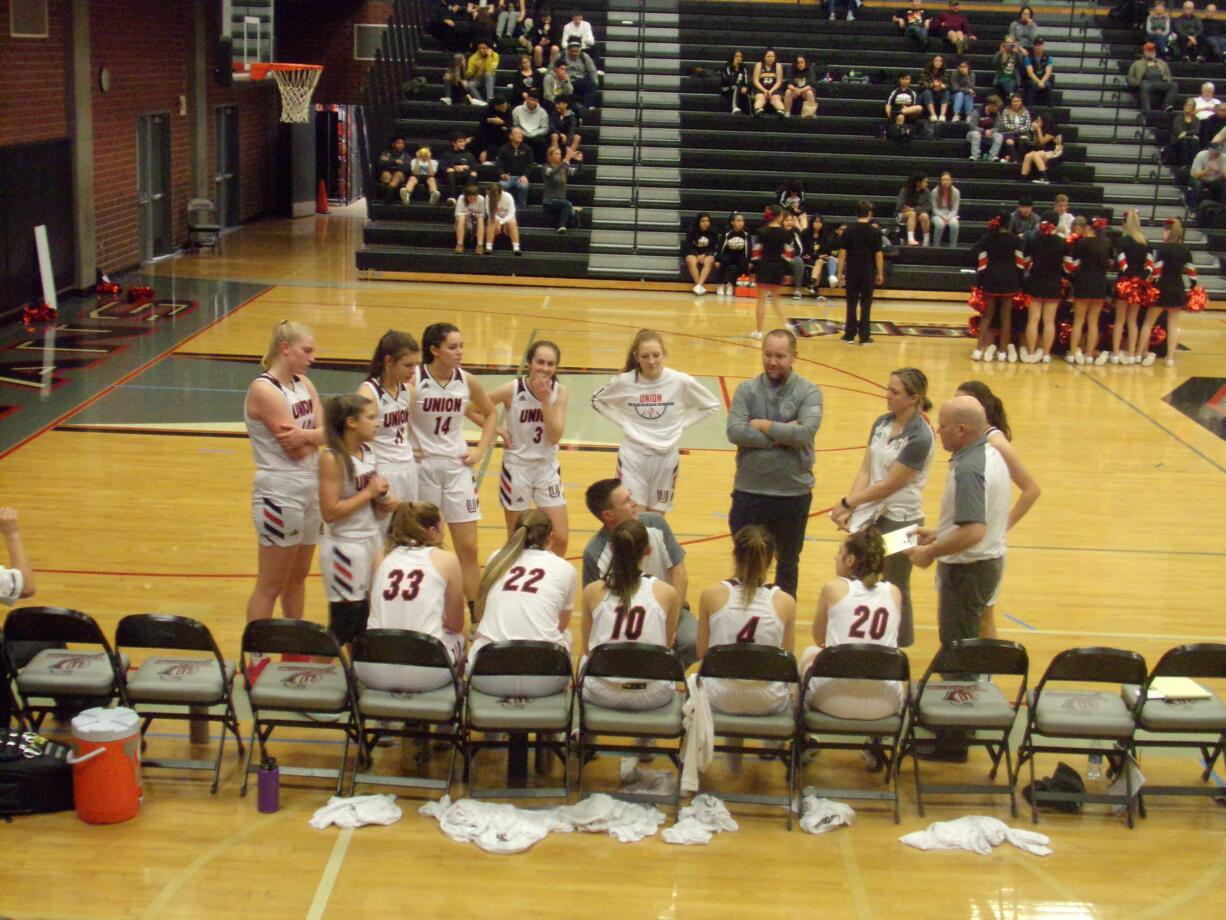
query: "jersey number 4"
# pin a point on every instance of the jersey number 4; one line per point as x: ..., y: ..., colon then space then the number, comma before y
x: 631, y: 620
x: 748, y: 630
x: 876, y: 626
x: 412, y: 579
x: 529, y: 585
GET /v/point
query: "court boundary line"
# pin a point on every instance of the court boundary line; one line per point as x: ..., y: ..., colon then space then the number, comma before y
x: 327, y: 881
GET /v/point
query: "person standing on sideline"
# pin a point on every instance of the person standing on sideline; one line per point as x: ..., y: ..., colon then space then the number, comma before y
x: 773, y: 420
x: 861, y: 269
x: 17, y: 582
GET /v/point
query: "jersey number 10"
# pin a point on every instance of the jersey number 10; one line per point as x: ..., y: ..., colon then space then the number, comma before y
x: 631, y: 620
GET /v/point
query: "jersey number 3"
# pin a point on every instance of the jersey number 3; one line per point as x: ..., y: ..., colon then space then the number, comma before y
x: 412, y: 579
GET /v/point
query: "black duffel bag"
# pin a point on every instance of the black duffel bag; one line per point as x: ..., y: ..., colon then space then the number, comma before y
x: 35, y: 775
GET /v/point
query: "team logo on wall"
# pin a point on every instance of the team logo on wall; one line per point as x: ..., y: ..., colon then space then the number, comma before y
x: 650, y: 405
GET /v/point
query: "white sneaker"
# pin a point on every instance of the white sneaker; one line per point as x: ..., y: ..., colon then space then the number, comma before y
x: 1101, y: 359
x: 1025, y: 355
x: 1149, y: 359
x: 1047, y: 359
x: 1115, y: 357
x: 1002, y: 355
x: 976, y: 355
x: 1068, y: 357
x: 1011, y: 354
x: 1078, y: 357
x: 697, y: 289
x: 989, y: 353
x: 1170, y: 362
x: 1038, y: 356
x: 434, y: 196
x: 755, y: 335
x: 404, y: 195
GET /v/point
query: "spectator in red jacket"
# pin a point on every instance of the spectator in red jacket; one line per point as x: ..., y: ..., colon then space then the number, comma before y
x: 952, y: 26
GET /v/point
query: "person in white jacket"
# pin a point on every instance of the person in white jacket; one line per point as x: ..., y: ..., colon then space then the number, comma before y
x: 945, y: 202
x: 653, y: 405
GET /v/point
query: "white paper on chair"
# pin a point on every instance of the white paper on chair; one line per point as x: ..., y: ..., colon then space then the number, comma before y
x: 1176, y: 688
x: 898, y: 540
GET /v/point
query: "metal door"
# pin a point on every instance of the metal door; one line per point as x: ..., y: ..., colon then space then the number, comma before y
x: 153, y: 185
x: 225, y: 180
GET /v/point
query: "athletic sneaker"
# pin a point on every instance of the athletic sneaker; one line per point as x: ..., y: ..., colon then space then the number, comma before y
x: 848, y: 341
x: 755, y: 335
x: 1149, y: 359
x: 1078, y: 357
x: 1101, y: 359
x: 1025, y: 354
x: 976, y: 355
x: 796, y: 295
x: 989, y: 353
x: 561, y: 229
x: 1011, y: 354
x: 1115, y: 357
x: 404, y: 196
x: 699, y: 289
x: 868, y: 341
x: 1047, y: 359
x: 434, y: 197
x: 1170, y: 362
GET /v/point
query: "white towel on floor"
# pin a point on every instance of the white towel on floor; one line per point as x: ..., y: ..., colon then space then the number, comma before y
x: 698, y: 749
x: 643, y: 780
x: 977, y: 834
x: 629, y: 822
x: 821, y: 815
x: 357, y: 811
x: 697, y: 822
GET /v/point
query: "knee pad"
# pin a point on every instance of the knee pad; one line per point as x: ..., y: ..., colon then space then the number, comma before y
x: 347, y: 619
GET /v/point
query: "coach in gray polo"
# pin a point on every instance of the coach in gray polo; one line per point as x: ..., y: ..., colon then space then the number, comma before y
x: 969, y: 540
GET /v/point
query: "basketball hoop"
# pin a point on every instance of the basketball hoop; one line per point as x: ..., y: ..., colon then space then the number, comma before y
x: 296, y: 82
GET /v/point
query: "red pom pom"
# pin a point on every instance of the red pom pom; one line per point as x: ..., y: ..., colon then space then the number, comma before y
x: 33, y: 314
x: 977, y: 301
x: 1021, y: 301
x: 1064, y: 332
x: 972, y: 324
x: 1157, y: 337
x: 107, y: 287
x: 1198, y: 297
x: 138, y: 293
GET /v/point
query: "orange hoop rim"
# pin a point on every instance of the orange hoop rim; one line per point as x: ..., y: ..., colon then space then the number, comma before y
x: 260, y: 70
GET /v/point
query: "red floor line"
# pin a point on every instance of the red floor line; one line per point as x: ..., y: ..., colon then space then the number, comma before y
x: 723, y: 388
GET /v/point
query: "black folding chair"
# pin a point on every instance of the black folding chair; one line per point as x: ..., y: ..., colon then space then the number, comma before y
x: 974, y: 709
x: 548, y: 717
x: 193, y: 686
x: 636, y: 661
x: 856, y: 661
x: 55, y: 677
x: 1183, y: 723
x: 746, y: 661
x: 415, y: 712
x: 299, y: 694
x: 9, y: 707
x: 1100, y: 717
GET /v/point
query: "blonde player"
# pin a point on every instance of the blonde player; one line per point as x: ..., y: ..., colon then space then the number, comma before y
x: 389, y: 384
x: 416, y: 586
x: 527, y: 592
x: 628, y: 606
x: 443, y: 394
x: 535, y: 417
x: 283, y: 418
x: 746, y: 609
x: 858, y: 606
x: 350, y: 493
x: 653, y: 405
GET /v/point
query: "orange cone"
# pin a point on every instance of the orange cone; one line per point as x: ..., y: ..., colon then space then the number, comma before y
x: 321, y: 198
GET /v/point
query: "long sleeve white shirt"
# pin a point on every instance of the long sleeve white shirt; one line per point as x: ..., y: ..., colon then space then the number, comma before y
x: 582, y: 31
x: 654, y: 413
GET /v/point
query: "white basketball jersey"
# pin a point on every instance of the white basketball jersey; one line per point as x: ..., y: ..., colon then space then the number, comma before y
x: 360, y: 524
x: 438, y: 414
x: 754, y: 622
x: 408, y: 592
x: 642, y: 620
x: 393, y: 444
x: 528, y: 600
x: 526, y: 426
x: 267, y: 451
x: 864, y: 615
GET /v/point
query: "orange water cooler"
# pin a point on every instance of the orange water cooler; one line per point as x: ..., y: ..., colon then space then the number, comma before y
x: 106, y: 765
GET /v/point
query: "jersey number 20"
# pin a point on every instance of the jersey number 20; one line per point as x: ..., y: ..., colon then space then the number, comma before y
x: 876, y: 626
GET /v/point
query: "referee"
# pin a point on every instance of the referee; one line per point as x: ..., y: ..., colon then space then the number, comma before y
x: 861, y: 268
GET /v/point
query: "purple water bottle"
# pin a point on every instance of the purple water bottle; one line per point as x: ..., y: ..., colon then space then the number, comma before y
x: 269, y: 782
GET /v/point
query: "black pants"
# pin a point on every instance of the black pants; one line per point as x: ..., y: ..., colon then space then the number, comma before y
x: 730, y: 270
x: 786, y: 517
x: 859, y: 294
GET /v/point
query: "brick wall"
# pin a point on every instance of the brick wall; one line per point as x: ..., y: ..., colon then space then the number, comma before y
x: 33, y: 93
x: 321, y: 32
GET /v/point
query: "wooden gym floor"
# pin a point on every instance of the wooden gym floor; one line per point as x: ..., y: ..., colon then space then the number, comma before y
x: 138, y: 503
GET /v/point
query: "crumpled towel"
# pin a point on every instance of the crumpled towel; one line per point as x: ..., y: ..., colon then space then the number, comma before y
x: 643, y: 780
x: 697, y: 822
x: 629, y: 822
x: 357, y: 811
x: 977, y: 834
x: 698, y: 749
x: 821, y: 815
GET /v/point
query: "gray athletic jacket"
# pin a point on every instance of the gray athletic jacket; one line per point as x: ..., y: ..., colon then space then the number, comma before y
x: 781, y: 462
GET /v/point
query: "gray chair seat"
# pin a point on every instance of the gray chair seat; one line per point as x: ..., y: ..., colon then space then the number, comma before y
x: 301, y: 686
x: 779, y: 725
x: 1205, y: 715
x: 68, y: 672
x: 817, y: 721
x: 436, y: 705
x: 957, y: 704
x: 495, y: 713
x: 665, y: 720
x: 1083, y: 714
x: 175, y: 680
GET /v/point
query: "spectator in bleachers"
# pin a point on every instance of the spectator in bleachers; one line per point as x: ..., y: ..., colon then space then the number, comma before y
x: 946, y: 200
x: 800, y: 89
x: 581, y: 70
x: 820, y: 243
x: 524, y: 81
x: 494, y: 129
x: 698, y: 251
x: 983, y: 129
x: 1213, y: 125
x: 903, y: 105
x: 1024, y: 28
x: 910, y: 23
x: 1040, y: 75
x: 542, y: 37
x: 734, y: 85
x: 511, y: 13
x: 423, y: 170
x: 581, y: 29
x: 392, y: 166
x: 952, y: 26
x: 1044, y: 147
x: 453, y: 79
x: 732, y: 256
x: 470, y: 214
x: 1009, y: 65
x: 1215, y: 42
x: 791, y: 197
x: 531, y: 118
x: 848, y: 5
x: 458, y: 166
x: 1185, y: 135
x: 483, y: 31
x: 500, y: 207
x: 482, y: 65
x: 452, y: 26
x: 1013, y: 125
x: 962, y: 84
x: 514, y: 161
x: 1206, y: 102
x: 1064, y: 217
x: 1023, y: 222
x: 1188, y: 31
x: 557, y: 82
x: 1151, y: 76
x: 1206, y: 176
x: 768, y: 83
x: 934, y: 93
x: 554, y: 178
x: 564, y: 129
x: 861, y: 270
x: 913, y: 208
x: 1158, y: 28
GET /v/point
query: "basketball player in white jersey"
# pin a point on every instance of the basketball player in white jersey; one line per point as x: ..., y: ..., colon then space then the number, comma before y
x: 351, y: 491
x: 535, y: 407
x: 526, y: 592
x: 653, y: 405
x: 628, y: 606
x: 417, y: 586
x: 858, y: 606
x: 443, y: 395
x: 389, y: 384
x: 284, y: 421
x: 746, y: 609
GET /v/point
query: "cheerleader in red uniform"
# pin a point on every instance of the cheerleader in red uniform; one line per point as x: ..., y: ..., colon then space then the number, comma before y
x: 1000, y: 263
x: 1172, y: 260
x: 1132, y: 288
x: 1086, y: 264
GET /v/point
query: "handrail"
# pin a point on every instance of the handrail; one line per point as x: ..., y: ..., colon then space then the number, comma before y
x: 636, y: 147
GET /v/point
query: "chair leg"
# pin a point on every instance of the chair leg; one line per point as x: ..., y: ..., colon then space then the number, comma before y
x: 1009, y: 776
x: 1034, y: 793
x: 250, y: 751
x: 221, y: 747
x: 455, y: 743
x: 919, y: 794
x: 232, y: 724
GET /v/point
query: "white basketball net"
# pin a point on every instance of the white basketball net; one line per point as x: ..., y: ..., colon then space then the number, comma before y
x: 297, y: 87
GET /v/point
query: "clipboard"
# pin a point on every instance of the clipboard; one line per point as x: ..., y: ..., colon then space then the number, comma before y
x: 898, y: 540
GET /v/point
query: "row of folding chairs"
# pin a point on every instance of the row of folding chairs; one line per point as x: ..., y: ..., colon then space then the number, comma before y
x: 958, y: 696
